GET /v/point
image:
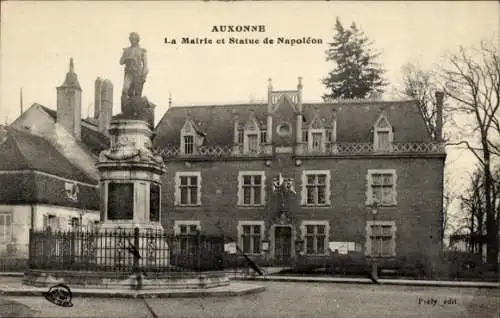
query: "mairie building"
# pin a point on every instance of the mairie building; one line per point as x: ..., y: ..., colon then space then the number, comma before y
x: 287, y: 178
x: 282, y: 179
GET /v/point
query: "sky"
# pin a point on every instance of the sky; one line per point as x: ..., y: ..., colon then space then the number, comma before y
x: 38, y: 39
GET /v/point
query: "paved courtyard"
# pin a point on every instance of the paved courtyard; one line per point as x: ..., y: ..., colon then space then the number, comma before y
x: 291, y: 299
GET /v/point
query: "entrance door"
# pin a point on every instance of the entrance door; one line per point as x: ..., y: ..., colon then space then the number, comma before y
x: 283, y: 244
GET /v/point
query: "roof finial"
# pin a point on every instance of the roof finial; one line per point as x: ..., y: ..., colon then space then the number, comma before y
x: 169, y: 99
x: 71, y: 65
x: 270, y: 83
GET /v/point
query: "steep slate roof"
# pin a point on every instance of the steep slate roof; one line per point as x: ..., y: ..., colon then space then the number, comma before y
x: 24, y: 151
x: 94, y: 140
x: 355, y: 120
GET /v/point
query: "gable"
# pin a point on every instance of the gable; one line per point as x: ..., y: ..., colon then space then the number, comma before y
x: 284, y: 104
x: 382, y: 122
x: 316, y: 123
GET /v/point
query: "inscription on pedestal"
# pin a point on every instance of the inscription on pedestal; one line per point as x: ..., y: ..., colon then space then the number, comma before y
x: 120, y: 201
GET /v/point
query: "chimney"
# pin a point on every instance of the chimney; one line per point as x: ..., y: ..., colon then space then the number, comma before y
x: 438, y: 131
x: 269, y: 124
x: 97, y: 97
x: 106, y: 111
x: 299, y: 111
x: 69, y: 103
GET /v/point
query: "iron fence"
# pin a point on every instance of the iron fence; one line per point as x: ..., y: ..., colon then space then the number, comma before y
x: 124, y: 251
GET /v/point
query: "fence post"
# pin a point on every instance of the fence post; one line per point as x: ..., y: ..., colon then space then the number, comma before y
x: 30, y: 248
x: 198, y: 248
x: 136, y: 245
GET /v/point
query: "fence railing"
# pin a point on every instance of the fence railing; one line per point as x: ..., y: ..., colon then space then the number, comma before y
x: 124, y: 251
x: 303, y: 149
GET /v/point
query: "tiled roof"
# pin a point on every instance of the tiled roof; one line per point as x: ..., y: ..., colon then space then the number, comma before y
x: 355, y: 120
x: 24, y: 151
x: 93, y: 139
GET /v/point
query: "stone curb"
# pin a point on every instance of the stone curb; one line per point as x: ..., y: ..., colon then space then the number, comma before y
x: 11, y: 274
x: 145, y: 294
x: 422, y: 283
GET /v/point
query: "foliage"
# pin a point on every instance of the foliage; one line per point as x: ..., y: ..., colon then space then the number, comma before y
x: 471, y: 78
x: 356, y: 74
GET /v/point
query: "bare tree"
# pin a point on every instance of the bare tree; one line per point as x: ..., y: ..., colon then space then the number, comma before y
x: 473, y: 204
x: 421, y: 85
x: 472, y: 82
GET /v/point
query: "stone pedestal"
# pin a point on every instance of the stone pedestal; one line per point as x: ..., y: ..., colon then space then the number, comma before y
x: 131, y: 195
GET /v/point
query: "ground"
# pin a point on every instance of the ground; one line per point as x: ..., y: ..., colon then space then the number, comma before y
x: 287, y: 299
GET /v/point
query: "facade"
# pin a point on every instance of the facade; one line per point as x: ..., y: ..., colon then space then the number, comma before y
x: 48, y: 176
x: 288, y: 178
x: 40, y: 188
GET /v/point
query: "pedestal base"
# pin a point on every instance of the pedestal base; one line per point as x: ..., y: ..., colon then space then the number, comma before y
x: 113, y: 280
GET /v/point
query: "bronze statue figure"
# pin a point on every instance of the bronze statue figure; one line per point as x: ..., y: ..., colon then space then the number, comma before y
x: 136, y: 67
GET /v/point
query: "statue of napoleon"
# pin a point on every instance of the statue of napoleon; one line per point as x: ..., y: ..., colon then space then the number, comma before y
x: 136, y: 69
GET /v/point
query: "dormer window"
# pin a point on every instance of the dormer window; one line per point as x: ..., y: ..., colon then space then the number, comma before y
x: 253, y: 143
x: 241, y: 135
x: 383, y: 134
x: 329, y: 136
x: 317, y: 141
x: 188, y: 144
x: 305, y: 135
x: 251, y: 136
x: 263, y: 137
x: 191, y: 138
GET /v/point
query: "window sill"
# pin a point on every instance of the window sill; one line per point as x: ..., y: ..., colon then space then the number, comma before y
x: 388, y: 205
x: 251, y: 205
x: 252, y: 254
x: 316, y: 205
x: 324, y: 254
x: 188, y: 205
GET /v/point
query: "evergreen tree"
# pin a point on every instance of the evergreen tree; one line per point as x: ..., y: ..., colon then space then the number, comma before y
x: 356, y: 74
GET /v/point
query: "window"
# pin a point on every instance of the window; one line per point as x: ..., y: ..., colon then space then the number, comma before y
x: 251, y: 188
x: 188, y: 144
x: 383, y: 135
x: 241, y: 134
x: 154, y: 202
x: 381, y: 239
x: 305, y: 135
x: 51, y: 221
x: 75, y: 223
x: 187, y: 235
x: 383, y: 142
x: 253, y: 144
x: 263, y: 137
x: 315, y: 236
x: 329, y: 136
x: 317, y: 141
x: 316, y: 187
x: 5, y: 226
x: 188, y: 188
x: 381, y: 187
x: 284, y: 129
x: 250, y: 236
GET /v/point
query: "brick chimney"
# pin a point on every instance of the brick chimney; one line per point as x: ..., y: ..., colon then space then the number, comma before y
x: 69, y: 103
x: 438, y: 131
x: 103, y: 101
